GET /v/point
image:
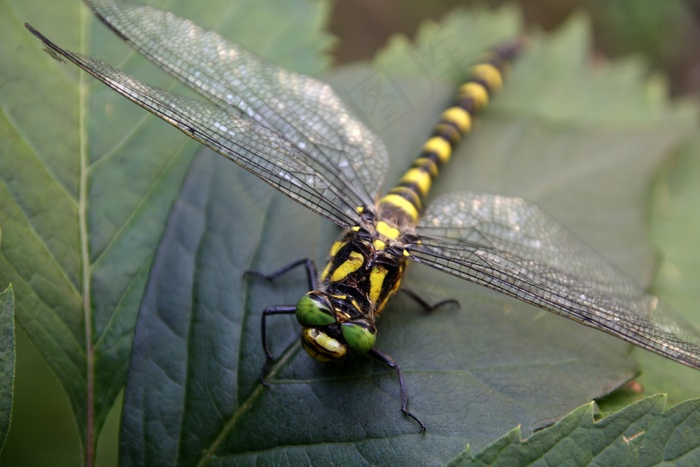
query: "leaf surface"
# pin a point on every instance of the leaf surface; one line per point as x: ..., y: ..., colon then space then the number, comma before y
x: 193, y: 393
x: 582, y: 142
x: 7, y: 362
x: 675, y: 228
x: 87, y: 180
x: 641, y: 433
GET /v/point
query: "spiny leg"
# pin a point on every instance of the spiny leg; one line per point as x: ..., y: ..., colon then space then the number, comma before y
x: 312, y: 278
x: 271, y: 310
x: 429, y: 307
x: 309, y: 266
x: 391, y: 363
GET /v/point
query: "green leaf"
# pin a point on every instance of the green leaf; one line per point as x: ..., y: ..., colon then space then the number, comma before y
x: 7, y: 361
x: 676, y: 228
x: 87, y: 179
x: 640, y: 434
x: 586, y: 152
x: 193, y: 392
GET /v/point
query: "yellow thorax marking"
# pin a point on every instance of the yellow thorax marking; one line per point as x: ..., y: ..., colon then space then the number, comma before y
x: 388, y: 231
x: 351, y: 265
x: 378, y: 244
x: 376, y: 283
x: 336, y: 246
x: 490, y: 74
x: 324, y: 274
x: 476, y: 92
x: 440, y: 147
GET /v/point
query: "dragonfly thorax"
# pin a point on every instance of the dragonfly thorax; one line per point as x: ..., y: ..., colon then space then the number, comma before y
x: 365, y: 264
x: 356, y: 283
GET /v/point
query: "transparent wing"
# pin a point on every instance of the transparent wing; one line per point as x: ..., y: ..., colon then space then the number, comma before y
x: 513, y: 247
x: 307, y: 112
x: 315, y: 182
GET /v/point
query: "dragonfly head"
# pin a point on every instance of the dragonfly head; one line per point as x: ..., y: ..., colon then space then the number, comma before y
x: 331, y: 329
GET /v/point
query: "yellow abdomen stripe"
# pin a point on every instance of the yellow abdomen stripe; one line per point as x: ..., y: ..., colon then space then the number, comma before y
x: 456, y: 121
x: 489, y: 74
x: 459, y: 117
x: 477, y: 92
x: 401, y: 203
x: 439, y: 147
x: 420, y: 178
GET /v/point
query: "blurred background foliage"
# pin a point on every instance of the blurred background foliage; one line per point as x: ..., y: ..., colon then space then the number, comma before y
x: 665, y: 33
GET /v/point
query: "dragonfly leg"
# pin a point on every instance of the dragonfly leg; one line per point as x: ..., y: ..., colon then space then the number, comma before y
x: 430, y: 307
x: 271, y: 310
x: 312, y: 278
x: 391, y: 363
x: 309, y: 266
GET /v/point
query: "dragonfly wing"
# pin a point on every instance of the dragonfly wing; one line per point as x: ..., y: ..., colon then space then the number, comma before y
x: 307, y: 112
x: 511, y: 246
x: 311, y: 181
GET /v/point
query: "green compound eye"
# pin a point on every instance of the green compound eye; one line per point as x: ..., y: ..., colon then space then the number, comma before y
x: 359, y: 338
x: 314, y: 311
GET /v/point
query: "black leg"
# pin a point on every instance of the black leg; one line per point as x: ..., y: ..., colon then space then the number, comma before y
x: 311, y: 276
x: 271, y: 310
x: 391, y: 363
x: 427, y: 305
x: 309, y: 266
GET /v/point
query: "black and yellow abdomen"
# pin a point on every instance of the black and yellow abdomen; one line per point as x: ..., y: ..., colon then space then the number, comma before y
x: 407, y: 199
x: 366, y: 264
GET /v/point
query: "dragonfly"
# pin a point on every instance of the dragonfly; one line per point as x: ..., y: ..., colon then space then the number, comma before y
x: 296, y: 134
